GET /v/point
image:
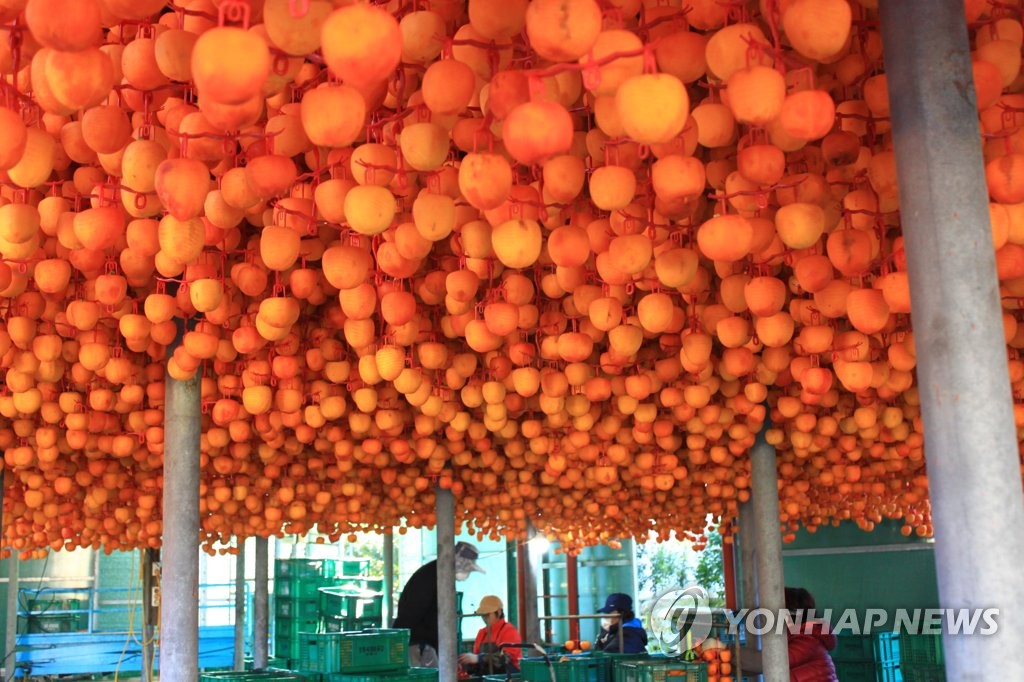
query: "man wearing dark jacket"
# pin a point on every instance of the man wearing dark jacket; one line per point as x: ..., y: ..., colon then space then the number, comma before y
x: 634, y: 637
x: 417, y: 605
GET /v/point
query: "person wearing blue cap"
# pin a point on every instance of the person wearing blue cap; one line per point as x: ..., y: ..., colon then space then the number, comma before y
x: 619, y: 608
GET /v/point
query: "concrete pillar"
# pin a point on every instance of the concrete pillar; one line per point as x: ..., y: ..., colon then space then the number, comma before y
x: 239, y: 659
x: 261, y: 606
x: 447, y: 623
x: 389, y: 578
x: 966, y: 401
x: 748, y: 560
x: 531, y: 568
x: 770, y: 583
x: 179, y: 613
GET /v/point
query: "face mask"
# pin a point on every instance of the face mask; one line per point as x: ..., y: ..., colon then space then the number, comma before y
x: 607, y: 622
x: 461, y: 575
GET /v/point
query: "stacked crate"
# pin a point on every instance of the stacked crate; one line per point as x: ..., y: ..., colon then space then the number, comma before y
x: 297, y: 584
x: 922, y: 658
x: 662, y: 670
x: 365, y: 656
x: 868, y: 658
x: 355, y: 602
x: 250, y: 676
x: 352, y: 607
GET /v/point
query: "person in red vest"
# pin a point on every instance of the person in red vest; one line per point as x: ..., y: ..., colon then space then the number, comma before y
x: 487, y: 657
x: 809, y: 643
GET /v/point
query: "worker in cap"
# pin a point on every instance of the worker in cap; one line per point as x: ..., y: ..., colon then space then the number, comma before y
x: 619, y: 608
x: 488, y: 657
x: 417, y: 605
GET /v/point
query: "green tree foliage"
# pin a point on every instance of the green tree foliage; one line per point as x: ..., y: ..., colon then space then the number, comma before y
x: 709, y: 573
x: 660, y: 567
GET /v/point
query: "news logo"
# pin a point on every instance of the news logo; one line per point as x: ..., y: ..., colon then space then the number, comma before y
x: 680, y: 619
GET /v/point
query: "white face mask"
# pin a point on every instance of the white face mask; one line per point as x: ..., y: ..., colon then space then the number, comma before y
x: 461, y: 575
x: 607, y: 622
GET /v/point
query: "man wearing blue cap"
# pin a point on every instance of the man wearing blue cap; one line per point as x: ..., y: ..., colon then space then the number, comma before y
x: 619, y: 606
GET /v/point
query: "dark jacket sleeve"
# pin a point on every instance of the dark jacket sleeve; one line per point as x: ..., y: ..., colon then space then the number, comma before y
x: 417, y: 606
x: 634, y: 640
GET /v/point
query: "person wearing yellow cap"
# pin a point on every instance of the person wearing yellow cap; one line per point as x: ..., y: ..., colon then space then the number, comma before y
x: 487, y: 657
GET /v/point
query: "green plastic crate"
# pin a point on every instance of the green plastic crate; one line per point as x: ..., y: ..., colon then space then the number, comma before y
x: 299, y: 588
x: 250, y: 676
x: 303, y: 569
x: 355, y: 567
x: 881, y: 648
x: 320, y: 652
x: 867, y: 671
x: 373, y: 650
x: 402, y: 675
x: 671, y: 670
x: 339, y: 624
x: 502, y: 678
x: 351, y: 602
x: 923, y: 650
x: 610, y: 670
x: 293, y: 627
x: 299, y: 609
x: 573, y: 668
x: 308, y: 675
x: 923, y: 673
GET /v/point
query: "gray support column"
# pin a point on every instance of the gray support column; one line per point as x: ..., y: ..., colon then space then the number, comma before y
x: 389, y: 578
x: 179, y: 614
x: 447, y: 623
x: 966, y: 401
x: 748, y: 567
x: 261, y: 606
x: 239, y: 660
x: 11, y: 638
x: 770, y: 584
x: 748, y: 556
x: 531, y: 570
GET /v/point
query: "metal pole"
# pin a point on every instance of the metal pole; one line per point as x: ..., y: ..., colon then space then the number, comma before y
x: 389, y: 577
x: 179, y: 615
x: 966, y: 401
x: 531, y: 624
x: 572, y: 583
x: 149, y: 615
x: 10, y: 649
x: 729, y: 574
x: 447, y: 622
x: 771, y: 586
x: 520, y: 574
x: 239, y: 660
x: 260, y: 606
